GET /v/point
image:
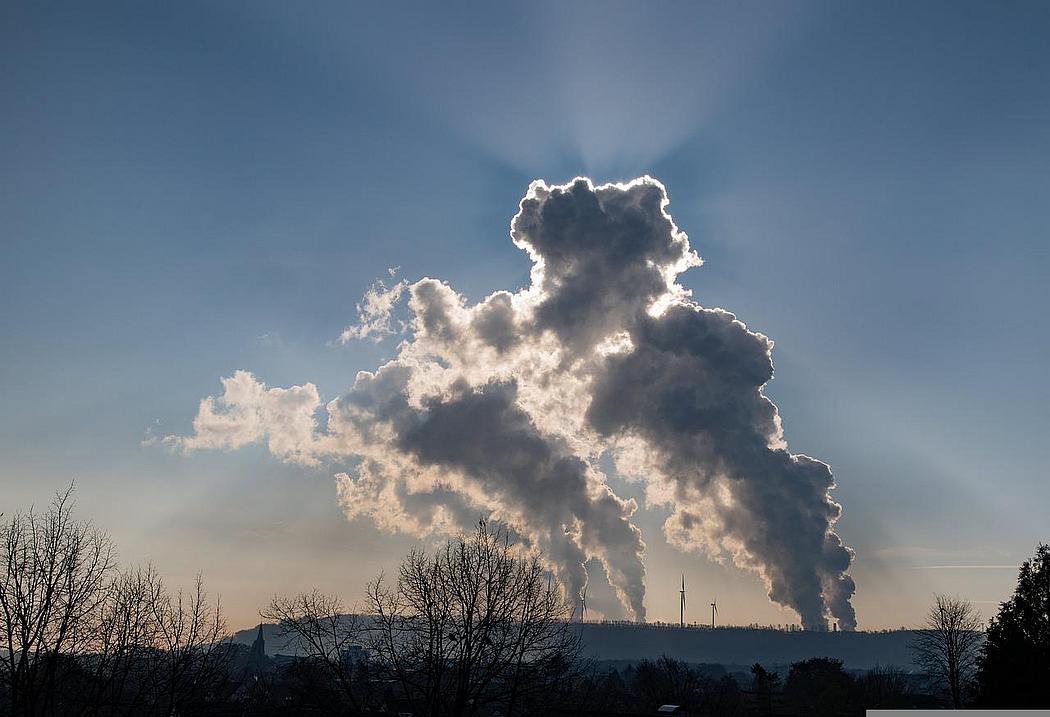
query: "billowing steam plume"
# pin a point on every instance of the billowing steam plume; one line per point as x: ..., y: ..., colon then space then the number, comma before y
x: 503, y: 408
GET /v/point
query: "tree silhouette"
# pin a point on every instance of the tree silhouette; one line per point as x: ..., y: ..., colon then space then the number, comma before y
x: 885, y: 688
x: 325, y: 633
x: 947, y: 645
x: 819, y: 687
x: 1014, y: 669
x: 78, y: 636
x: 53, y: 580
x: 764, y: 684
x: 475, y: 626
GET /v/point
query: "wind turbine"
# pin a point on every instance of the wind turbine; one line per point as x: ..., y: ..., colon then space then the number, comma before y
x: 714, y: 611
x: 681, y: 604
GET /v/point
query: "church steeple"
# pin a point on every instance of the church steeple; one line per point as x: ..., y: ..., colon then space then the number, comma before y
x: 258, y: 653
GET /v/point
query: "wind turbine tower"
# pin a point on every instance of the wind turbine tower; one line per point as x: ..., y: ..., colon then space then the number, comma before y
x: 681, y: 604
x: 714, y: 611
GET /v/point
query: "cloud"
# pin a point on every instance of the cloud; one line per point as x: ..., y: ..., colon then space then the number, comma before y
x: 560, y: 505
x: 374, y: 311
x: 502, y: 408
x: 691, y: 390
x: 249, y: 412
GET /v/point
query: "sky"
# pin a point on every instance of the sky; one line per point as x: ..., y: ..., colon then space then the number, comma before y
x: 192, y: 189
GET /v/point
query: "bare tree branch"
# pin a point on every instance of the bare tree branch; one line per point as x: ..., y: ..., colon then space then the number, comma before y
x: 474, y: 625
x: 948, y: 644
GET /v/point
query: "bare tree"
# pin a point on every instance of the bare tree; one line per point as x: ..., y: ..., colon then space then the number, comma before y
x: 477, y: 624
x: 123, y: 652
x: 885, y: 688
x: 320, y: 629
x: 947, y: 645
x: 55, y: 570
x: 79, y: 637
x: 193, y: 645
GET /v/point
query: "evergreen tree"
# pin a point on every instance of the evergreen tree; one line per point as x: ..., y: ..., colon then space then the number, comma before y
x: 1015, y: 663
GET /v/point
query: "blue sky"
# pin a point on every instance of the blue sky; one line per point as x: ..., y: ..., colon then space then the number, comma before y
x: 194, y: 188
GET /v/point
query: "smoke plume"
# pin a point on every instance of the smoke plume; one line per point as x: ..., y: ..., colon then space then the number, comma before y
x: 504, y: 407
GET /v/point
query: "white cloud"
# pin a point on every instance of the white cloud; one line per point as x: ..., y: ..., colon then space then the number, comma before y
x: 374, y: 311
x: 249, y: 412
